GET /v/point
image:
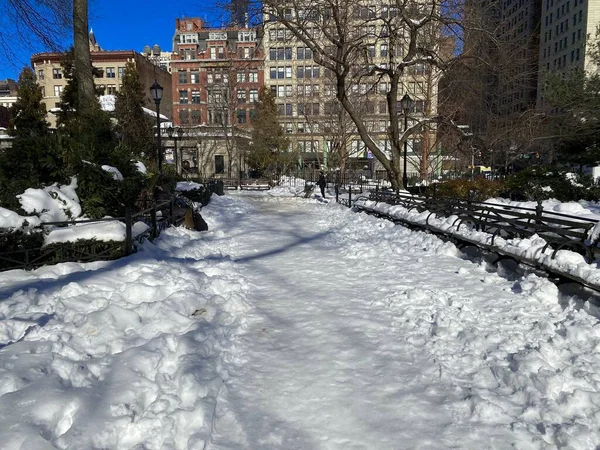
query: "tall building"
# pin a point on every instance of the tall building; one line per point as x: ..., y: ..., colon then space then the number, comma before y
x: 519, y: 34
x: 110, y: 65
x: 306, y: 94
x: 217, y: 73
x: 239, y: 12
x: 566, y: 27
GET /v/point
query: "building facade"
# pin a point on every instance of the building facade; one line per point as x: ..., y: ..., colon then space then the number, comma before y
x: 566, y: 26
x: 110, y: 65
x: 8, y: 93
x: 217, y: 73
x: 320, y: 132
x: 158, y: 57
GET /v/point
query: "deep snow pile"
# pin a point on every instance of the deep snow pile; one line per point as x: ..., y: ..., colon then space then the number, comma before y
x: 60, y: 203
x: 294, y: 324
x: 533, y: 248
x: 119, y: 354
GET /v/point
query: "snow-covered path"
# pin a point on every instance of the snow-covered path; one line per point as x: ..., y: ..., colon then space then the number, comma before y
x: 324, y: 365
x: 365, y: 335
x: 294, y: 324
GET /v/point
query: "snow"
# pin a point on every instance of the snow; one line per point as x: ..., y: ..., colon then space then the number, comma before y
x: 141, y: 167
x: 294, y: 324
x: 11, y: 220
x: 115, y: 173
x: 60, y: 204
x: 533, y: 249
x: 153, y: 113
x: 53, y: 203
x: 183, y: 186
x: 107, y: 103
x: 100, y: 231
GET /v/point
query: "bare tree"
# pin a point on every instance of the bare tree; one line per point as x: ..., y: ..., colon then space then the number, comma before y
x: 34, y: 23
x: 345, y: 37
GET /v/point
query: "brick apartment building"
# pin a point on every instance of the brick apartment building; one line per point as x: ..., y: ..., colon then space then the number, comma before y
x: 217, y: 73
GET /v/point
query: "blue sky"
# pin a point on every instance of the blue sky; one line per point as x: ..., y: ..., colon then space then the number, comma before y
x: 128, y: 25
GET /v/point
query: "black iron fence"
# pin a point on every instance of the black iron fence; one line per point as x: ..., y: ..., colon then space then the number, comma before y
x: 26, y: 250
x: 560, y: 231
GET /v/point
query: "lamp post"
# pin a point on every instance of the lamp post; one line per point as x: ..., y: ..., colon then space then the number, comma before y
x: 175, y: 133
x: 406, y: 104
x: 157, y: 91
x: 468, y: 137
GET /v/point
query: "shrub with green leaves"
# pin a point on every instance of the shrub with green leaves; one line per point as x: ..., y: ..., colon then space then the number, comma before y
x: 479, y: 189
x: 544, y: 182
x: 101, y: 195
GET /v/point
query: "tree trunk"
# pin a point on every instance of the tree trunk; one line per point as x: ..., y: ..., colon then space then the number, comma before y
x: 83, y: 63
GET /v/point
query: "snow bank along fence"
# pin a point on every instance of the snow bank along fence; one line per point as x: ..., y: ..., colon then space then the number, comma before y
x: 230, y: 183
x: 146, y: 224
x: 461, y: 217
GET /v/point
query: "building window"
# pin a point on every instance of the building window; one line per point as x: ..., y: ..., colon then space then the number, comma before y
x: 241, y: 77
x: 57, y: 91
x: 184, y: 116
x: 280, y: 73
x: 183, y: 77
x: 280, y: 53
x: 219, y: 164
x: 195, y: 97
x: 241, y: 97
x: 183, y: 97
x: 121, y: 71
x: 41, y: 74
x: 195, y: 116
x: 241, y: 116
x: 56, y: 74
x: 307, y: 72
x: 253, y: 77
x: 246, y: 36
x: 308, y: 109
x: 285, y: 109
x: 194, y: 77
x: 253, y: 95
x: 304, y: 53
x: 213, y: 53
x: 111, y: 89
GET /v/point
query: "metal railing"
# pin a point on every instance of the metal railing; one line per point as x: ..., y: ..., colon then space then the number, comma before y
x: 560, y: 231
x: 156, y: 215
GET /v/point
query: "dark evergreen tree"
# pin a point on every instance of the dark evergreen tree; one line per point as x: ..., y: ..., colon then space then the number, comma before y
x: 34, y: 159
x: 28, y: 112
x: 269, y: 148
x: 134, y: 127
x: 85, y: 136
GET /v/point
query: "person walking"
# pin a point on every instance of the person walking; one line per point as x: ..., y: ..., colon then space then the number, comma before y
x: 322, y: 183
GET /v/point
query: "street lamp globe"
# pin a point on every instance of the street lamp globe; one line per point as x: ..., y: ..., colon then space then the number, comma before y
x: 157, y: 92
x: 406, y: 104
